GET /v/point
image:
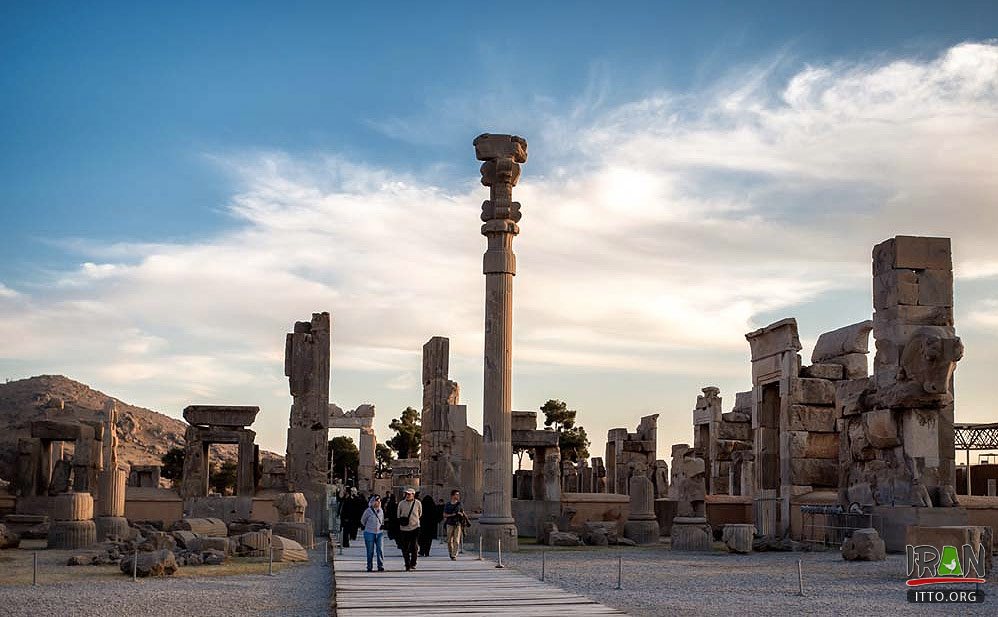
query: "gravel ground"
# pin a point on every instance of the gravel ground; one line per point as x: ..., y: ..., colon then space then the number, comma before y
x: 657, y: 581
x: 301, y: 589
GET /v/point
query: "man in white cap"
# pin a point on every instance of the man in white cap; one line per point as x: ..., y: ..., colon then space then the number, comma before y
x: 408, y: 514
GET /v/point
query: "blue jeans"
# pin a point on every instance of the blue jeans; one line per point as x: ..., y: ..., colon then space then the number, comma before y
x: 372, y: 541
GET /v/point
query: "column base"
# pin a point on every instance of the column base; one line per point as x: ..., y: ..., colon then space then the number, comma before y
x: 493, y: 535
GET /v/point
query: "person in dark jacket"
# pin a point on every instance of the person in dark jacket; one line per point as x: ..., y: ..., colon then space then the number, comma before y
x: 390, y: 505
x: 428, y: 525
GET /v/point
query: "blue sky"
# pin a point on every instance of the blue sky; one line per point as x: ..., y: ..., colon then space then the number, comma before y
x: 224, y: 152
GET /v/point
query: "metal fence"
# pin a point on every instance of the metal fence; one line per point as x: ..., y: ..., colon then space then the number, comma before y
x: 832, y: 525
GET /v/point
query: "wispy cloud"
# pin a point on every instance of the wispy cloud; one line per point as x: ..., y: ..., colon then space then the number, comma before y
x: 655, y: 233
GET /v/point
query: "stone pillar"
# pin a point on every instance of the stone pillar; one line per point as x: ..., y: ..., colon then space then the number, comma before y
x: 642, y: 524
x: 245, y: 477
x: 502, y: 155
x: 365, y: 470
x: 194, y: 480
x: 306, y: 364
x: 441, y: 448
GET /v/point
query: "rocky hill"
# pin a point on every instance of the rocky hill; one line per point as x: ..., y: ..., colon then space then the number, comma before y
x: 144, y: 435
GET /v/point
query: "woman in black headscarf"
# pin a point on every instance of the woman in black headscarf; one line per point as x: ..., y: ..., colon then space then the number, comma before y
x: 428, y: 525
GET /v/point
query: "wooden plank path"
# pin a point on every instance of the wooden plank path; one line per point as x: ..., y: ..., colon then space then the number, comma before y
x: 465, y: 586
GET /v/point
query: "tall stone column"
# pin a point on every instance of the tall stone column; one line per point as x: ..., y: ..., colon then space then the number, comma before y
x: 502, y: 155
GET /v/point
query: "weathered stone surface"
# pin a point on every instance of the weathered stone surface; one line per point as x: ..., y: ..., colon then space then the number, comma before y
x: 286, y: 549
x: 73, y: 507
x: 599, y: 533
x: 854, y: 365
x: 935, y: 288
x: 881, y: 428
x: 291, y: 507
x: 72, y: 534
x: 211, y: 544
x: 727, y: 447
x: 301, y: 533
x: 212, y: 557
x: 545, y: 531
x: 774, y: 339
x: 849, y: 396
x: 811, y: 418
x: 221, y: 415
x: 921, y: 253
x: 814, y: 471
x: 833, y: 372
x: 564, y: 538
x: 736, y: 416
x: 112, y: 527
x: 895, y: 287
x: 852, y: 339
x: 738, y: 537
x: 184, y: 539
x: 734, y: 430
x: 157, y: 540
x: 807, y: 391
x: 864, y: 545
x: 255, y: 542
x: 155, y: 563
x: 8, y: 539
x: 691, y: 534
x: 203, y: 526
x: 814, y: 445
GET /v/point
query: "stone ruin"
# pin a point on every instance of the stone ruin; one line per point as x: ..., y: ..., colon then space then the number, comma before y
x: 642, y: 524
x: 545, y: 481
x: 306, y: 365
x: 450, y: 450
x: 690, y: 531
x: 222, y: 424
x: 626, y: 452
x: 361, y: 418
x: 718, y: 436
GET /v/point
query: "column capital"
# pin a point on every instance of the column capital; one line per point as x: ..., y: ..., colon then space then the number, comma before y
x: 502, y: 155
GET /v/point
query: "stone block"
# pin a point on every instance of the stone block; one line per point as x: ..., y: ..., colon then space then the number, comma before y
x: 864, y: 545
x: 881, y: 428
x: 849, y: 396
x: 203, y: 526
x: 850, y: 339
x: 773, y: 339
x: 156, y: 563
x: 811, y: 418
x: 743, y: 402
x: 286, y: 549
x: 691, y: 534
x: 737, y: 416
x: 563, y: 538
x: 301, y: 533
x: 887, y: 323
x: 854, y: 365
x: 734, y: 430
x: 738, y: 537
x: 814, y: 445
x: 834, y: 372
x: 73, y: 507
x: 921, y: 253
x: 895, y: 287
x: 809, y: 391
x: 211, y: 544
x: 642, y: 532
x: 184, y: 539
x: 112, y: 527
x: 71, y: 535
x: 815, y: 471
x: 860, y: 448
x: 935, y: 288
x: 8, y: 539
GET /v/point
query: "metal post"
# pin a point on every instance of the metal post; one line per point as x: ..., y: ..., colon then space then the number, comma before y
x: 325, y: 553
x: 499, y: 549
x: 34, y: 569
x: 620, y: 571
x: 800, y: 577
x: 543, y: 563
x: 968, y: 472
x: 135, y: 565
x: 270, y: 565
x: 479, y: 548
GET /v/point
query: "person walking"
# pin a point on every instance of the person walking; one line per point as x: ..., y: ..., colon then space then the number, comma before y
x: 390, y: 505
x: 348, y: 518
x: 454, y: 518
x: 408, y: 514
x: 428, y: 525
x: 372, y: 522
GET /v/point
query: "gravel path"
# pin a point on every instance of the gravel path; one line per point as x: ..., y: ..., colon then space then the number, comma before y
x: 657, y: 582
x: 300, y: 590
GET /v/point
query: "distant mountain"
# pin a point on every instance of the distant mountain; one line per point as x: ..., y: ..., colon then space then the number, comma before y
x: 144, y: 436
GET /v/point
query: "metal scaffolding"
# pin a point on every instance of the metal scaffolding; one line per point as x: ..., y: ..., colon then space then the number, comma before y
x: 975, y: 437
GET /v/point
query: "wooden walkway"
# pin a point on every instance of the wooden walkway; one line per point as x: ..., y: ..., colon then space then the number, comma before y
x: 466, y: 587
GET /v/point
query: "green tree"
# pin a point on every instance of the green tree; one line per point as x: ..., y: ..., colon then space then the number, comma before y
x: 345, y: 457
x: 574, y: 444
x: 408, y: 434
x: 558, y: 415
x: 223, y: 479
x: 383, y: 458
x: 173, y: 464
x: 572, y: 440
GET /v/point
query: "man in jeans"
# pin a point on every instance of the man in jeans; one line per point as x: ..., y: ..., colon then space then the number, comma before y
x: 453, y: 523
x: 408, y: 513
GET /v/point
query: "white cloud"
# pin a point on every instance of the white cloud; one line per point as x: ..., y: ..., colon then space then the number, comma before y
x: 655, y: 233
